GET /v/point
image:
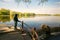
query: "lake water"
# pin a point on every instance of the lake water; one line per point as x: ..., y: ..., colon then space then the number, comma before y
x: 37, y: 21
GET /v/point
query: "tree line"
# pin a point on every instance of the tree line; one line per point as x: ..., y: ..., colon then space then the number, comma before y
x: 8, y: 12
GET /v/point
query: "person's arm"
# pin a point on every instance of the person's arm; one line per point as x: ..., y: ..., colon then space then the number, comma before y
x: 19, y: 21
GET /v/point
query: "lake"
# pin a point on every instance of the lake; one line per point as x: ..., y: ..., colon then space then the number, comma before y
x: 36, y: 21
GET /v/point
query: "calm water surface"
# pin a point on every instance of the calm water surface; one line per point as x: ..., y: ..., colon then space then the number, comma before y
x: 52, y: 21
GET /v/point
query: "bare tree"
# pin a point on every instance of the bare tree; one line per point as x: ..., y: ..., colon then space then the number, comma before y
x: 29, y: 1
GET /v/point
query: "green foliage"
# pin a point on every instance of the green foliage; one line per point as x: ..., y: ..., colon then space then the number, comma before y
x: 22, y: 14
x: 29, y: 14
x: 4, y: 18
x: 4, y: 12
x: 0, y: 12
x: 56, y: 15
x: 44, y: 14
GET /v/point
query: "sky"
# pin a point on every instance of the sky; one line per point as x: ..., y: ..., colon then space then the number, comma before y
x: 49, y: 7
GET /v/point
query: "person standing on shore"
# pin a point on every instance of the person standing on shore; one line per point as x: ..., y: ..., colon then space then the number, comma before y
x: 16, y: 21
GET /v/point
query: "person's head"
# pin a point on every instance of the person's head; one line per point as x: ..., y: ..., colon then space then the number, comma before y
x: 16, y: 15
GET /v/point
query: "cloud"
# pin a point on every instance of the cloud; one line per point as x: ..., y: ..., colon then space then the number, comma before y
x: 57, y: 3
x: 7, y: 0
x: 2, y: 0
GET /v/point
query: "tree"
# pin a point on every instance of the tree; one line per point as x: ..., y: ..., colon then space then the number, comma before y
x: 0, y: 12
x: 5, y: 12
x: 29, y: 1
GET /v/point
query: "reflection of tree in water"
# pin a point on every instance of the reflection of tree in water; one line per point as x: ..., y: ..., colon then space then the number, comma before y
x: 28, y: 15
x: 25, y: 15
x: 4, y: 18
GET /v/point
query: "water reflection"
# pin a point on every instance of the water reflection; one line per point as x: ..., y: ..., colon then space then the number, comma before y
x: 53, y: 21
x: 32, y: 21
x: 7, y: 18
x: 4, y: 18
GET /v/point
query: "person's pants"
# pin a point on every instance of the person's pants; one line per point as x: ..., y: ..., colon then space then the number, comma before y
x: 15, y: 26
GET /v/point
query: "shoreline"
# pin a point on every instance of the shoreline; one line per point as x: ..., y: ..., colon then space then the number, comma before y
x: 4, y: 27
x: 11, y: 34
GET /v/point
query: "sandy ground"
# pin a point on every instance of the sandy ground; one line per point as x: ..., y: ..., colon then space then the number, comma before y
x: 18, y: 36
x: 14, y: 36
x: 7, y: 33
x: 6, y: 28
